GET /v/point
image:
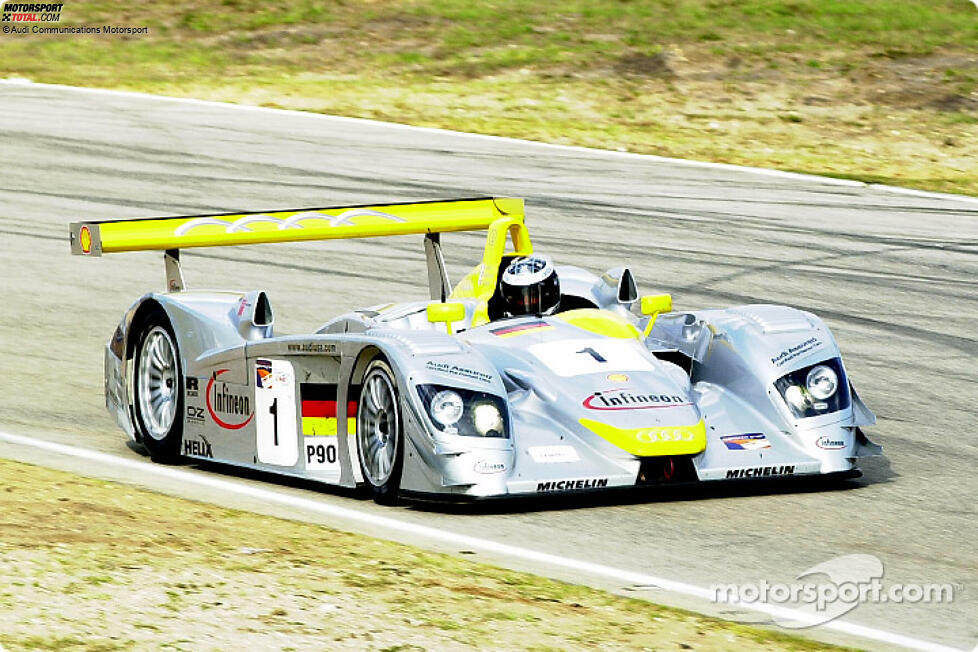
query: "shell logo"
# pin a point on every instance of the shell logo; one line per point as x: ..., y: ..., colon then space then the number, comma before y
x: 85, y: 239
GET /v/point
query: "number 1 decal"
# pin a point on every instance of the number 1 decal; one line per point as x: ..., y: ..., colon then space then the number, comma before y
x: 274, y: 411
x: 579, y: 357
x: 594, y: 354
x: 275, y: 420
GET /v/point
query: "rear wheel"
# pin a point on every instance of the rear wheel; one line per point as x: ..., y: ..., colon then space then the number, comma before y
x: 158, y: 387
x: 380, y: 443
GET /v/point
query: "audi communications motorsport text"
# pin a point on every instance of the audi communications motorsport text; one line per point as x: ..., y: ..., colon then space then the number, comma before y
x: 105, y: 29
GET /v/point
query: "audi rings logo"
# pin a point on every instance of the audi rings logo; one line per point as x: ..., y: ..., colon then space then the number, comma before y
x: 654, y: 436
x: 243, y: 224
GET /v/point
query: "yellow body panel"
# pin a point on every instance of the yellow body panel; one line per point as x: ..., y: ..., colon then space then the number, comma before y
x: 653, y: 442
x: 480, y: 283
x: 601, y: 322
x: 325, y: 426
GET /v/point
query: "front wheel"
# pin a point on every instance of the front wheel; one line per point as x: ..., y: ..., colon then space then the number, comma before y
x: 380, y: 443
x: 159, y: 389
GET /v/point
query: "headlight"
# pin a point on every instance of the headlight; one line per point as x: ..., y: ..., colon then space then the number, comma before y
x: 798, y: 398
x: 488, y: 420
x: 458, y: 411
x: 446, y: 407
x: 815, y: 390
x: 822, y: 382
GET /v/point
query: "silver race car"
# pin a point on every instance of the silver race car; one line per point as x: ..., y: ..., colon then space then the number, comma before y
x: 524, y: 378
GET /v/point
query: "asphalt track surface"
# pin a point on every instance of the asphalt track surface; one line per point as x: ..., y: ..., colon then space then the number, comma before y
x: 894, y: 275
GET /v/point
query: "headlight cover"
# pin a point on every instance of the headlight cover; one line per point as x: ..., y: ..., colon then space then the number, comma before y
x: 446, y: 408
x: 822, y: 382
x: 815, y: 390
x: 480, y: 414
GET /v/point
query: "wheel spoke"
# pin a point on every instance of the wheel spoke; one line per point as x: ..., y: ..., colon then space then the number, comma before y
x: 156, y: 354
x: 376, y: 454
x: 375, y: 394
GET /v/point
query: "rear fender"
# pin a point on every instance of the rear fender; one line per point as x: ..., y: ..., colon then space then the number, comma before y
x: 203, y: 322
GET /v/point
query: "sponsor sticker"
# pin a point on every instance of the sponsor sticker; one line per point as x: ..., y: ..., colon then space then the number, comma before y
x: 264, y: 371
x: 796, y: 351
x: 761, y: 472
x: 830, y: 443
x: 229, y: 407
x: 313, y: 347
x: 195, y: 414
x: 621, y: 399
x: 487, y: 467
x: 618, y: 378
x: 191, y: 385
x: 455, y: 370
x: 197, y: 448
x: 553, y: 454
x: 571, y: 485
x: 85, y: 239
x: 746, y: 442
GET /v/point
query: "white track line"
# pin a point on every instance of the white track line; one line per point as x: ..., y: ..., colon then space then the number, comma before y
x: 19, y: 81
x: 460, y: 540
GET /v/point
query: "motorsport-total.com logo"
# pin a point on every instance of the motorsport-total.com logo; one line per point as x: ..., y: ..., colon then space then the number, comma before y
x: 31, y: 12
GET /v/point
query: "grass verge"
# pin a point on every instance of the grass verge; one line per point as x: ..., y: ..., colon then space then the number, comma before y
x: 94, y: 565
x: 878, y: 90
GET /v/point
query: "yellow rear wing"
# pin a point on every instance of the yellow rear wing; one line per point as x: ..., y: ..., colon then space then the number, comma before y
x: 498, y: 216
x: 174, y: 233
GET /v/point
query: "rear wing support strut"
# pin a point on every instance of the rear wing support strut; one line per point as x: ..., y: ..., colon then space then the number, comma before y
x: 174, y: 275
x: 439, y: 286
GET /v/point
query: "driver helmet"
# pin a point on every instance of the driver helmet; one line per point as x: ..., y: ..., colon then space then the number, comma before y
x: 529, y: 286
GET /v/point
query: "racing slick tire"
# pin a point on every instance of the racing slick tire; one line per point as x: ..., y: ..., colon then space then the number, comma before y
x: 158, y: 388
x: 380, y: 436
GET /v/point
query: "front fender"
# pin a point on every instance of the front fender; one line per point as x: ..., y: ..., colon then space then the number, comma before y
x: 435, y: 462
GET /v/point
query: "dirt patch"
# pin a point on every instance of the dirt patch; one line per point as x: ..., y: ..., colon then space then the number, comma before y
x: 646, y: 65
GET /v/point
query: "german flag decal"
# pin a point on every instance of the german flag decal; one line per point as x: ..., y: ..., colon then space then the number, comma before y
x: 319, y: 410
x: 522, y: 329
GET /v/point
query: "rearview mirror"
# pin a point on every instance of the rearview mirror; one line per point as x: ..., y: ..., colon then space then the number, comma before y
x: 445, y: 312
x: 652, y: 305
x: 656, y: 303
